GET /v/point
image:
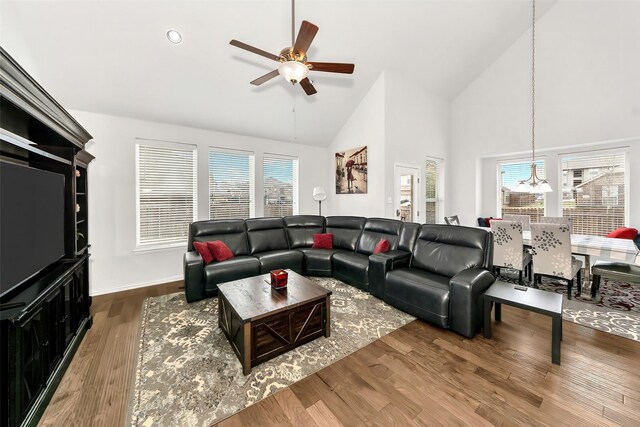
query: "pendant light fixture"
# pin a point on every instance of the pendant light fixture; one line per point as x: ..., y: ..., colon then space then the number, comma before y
x: 533, y: 184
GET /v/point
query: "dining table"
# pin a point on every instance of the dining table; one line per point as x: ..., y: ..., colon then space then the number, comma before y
x: 585, y: 245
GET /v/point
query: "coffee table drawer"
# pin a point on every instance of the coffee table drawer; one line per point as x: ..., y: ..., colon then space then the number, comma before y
x: 283, y: 331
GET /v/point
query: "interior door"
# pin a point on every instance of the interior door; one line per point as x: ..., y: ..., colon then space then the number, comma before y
x: 407, y: 193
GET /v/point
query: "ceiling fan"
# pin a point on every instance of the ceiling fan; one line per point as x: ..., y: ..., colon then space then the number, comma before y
x: 294, y: 66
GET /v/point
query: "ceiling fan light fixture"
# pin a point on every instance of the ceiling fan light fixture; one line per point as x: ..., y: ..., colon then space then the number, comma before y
x: 293, y: 71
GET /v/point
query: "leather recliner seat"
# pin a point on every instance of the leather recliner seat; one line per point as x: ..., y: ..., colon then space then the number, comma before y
x: 202, y: 281
x: 300, y: 230
x: 445, y: 279
x: 269, y: 244
x: 352, y: 266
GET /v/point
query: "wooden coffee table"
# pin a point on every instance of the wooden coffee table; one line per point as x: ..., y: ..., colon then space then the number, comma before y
x: 262, y: 323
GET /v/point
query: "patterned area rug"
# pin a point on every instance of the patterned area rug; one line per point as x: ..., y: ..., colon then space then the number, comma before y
x: 188, y: 375
x: 615, y: 309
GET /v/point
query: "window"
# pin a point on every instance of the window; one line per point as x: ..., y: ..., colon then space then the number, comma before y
x: 593, y: 191
x: 166, y: 190
x: 433, y: 195
x: 280, y: 185
x: 231, y: 184
x: 513, y: 202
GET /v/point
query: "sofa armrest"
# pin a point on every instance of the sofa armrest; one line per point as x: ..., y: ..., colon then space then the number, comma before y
x: 193, y: 276
x: 466, y: 292
x: 380, y: 264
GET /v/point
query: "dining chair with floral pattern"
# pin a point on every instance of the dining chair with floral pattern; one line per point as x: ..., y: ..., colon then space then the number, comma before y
x: 551, y: 246
x: 508, y: 250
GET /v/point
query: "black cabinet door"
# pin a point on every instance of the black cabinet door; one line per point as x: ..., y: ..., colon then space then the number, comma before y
x: 79, y: 296
x: 66, y: 321
x: 55, y: 343
x: 31, y: 363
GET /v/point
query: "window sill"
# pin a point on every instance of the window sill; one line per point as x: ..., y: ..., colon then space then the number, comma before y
x: 143, y: 250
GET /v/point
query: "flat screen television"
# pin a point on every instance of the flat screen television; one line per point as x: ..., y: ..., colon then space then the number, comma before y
x: 31, y: 222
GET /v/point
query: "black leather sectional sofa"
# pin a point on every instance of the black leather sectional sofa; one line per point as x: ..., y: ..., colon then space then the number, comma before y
x: 437, y: 273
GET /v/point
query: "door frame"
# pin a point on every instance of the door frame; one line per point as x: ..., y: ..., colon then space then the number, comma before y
x: 417, y: 211
x: 440, y: 188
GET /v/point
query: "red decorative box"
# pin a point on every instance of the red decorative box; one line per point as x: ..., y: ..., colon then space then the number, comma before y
x: 279, y: 279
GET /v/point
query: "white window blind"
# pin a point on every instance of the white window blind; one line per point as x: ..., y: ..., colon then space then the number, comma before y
x: 280, y: 185
x: 166, y: 189
x: 513, y: 202
x: 433, y: 196
x: 231, y: 184
x: 593, y: 191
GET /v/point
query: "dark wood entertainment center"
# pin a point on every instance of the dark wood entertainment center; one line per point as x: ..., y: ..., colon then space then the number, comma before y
x: 44, y: 319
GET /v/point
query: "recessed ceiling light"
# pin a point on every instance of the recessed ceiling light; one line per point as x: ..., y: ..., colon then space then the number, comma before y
x: 174, y: 36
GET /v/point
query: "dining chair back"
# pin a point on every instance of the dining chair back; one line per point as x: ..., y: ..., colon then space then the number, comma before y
x: 452, y: 220
x: 558, y: 220
x: 508, y: 248
x: 551, y: 244
x: 525, y: 220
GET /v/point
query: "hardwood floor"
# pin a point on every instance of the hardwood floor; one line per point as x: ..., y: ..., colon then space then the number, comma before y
x: 417, y: 375
x: 95, y: 389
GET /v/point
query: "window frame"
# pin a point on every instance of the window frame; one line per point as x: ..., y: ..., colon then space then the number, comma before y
x: 169, y: 145
x: 295, y: 207
x: 252, y: 177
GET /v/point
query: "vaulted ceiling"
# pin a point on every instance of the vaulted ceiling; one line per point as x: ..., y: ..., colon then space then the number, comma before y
x: 113, y: 57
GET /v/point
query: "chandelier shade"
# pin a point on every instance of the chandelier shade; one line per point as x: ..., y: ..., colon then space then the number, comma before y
x: 533, y: 184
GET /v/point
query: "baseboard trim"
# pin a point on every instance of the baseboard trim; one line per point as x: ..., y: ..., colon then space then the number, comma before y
x: 136, y: 286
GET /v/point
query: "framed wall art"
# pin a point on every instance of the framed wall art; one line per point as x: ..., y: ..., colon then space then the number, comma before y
x: 351, y: 171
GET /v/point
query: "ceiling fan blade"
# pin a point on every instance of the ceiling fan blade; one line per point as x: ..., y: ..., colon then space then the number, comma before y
x: 331, y: 67
x: 252, y: 49
x: 305, y: 37
x: 308, y: 86
x: 265, y: 78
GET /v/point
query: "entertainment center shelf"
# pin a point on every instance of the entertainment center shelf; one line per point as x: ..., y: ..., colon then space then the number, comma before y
x: 44, y: 293
x: 23, y: 145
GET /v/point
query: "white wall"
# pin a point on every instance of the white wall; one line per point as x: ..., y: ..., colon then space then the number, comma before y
x: 417, y: 126
x: 366, y: 126
x: 115, y: 265
x: 587, y: 92
x: 401, y: 123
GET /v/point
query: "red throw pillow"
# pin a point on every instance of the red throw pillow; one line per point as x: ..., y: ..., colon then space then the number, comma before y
x: 219, y: 250
x: 382, y: 246
x: 204, y: 251
x: 322, y: 241
x: 624, y: 233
